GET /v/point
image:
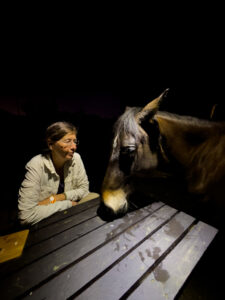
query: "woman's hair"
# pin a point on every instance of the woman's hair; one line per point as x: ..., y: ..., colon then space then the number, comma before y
x: 56, y: 131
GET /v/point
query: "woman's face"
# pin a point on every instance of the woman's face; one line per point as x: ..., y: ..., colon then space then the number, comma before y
x: 65, y: 147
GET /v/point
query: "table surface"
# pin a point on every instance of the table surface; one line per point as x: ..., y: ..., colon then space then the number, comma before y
x: 76, y: 254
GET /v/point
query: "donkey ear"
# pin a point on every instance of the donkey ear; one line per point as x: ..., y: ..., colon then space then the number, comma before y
x: 151, y: 108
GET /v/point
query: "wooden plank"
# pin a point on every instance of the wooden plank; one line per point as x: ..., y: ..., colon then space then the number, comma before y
x: 11, y: 245
x: 37, y: 251
x: 33, y: 274
x: 58, y: 227
x: 124, y: 274
x: 168, y: 277
x: 65, y: 214
x: 73, y: 279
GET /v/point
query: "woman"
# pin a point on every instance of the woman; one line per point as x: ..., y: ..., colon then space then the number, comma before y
x: 56, y: 180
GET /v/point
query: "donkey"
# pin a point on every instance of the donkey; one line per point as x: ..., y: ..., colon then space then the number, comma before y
x: 147, y: 140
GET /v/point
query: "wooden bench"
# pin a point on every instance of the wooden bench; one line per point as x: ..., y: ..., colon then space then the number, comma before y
x: 147, y: 254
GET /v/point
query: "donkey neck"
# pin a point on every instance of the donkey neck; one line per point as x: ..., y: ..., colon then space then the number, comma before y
x: 183, y: 135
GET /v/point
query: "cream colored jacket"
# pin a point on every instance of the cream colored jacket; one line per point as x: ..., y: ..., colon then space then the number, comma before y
x: 41, y: 181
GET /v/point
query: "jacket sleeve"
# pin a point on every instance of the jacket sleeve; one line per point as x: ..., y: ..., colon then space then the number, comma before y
x: 81, y: 183
x: 29, y: 196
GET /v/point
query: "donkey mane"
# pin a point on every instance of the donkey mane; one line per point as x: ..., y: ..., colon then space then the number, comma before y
x: 127, y: 123
x: 193, y: 129
x: 188, y: 120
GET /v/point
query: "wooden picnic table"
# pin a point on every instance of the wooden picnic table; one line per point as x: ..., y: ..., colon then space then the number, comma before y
x: 147, y: 254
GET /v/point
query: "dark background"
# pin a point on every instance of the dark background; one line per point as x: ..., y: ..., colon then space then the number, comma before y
x: 25, y: 116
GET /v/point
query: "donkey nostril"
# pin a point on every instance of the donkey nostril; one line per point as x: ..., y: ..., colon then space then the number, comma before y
x: 106, y: 213
x: 123, y: 209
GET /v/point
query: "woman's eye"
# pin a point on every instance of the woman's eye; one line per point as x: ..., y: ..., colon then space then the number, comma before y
x: 67, y: 141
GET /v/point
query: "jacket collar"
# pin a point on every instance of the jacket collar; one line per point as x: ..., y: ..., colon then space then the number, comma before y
x: 49, y: 164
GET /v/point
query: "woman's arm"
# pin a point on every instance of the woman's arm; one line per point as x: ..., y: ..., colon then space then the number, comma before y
x: 29, y: 195
x: 81, y: 189
x: 57, y: 197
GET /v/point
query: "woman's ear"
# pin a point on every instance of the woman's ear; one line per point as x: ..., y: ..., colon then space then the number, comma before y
x: 50, y: 143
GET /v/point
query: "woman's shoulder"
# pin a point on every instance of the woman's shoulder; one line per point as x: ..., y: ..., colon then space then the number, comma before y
x: 76, y: 157
x: 37, y: 160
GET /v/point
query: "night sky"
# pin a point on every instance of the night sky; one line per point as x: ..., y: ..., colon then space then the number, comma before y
x: 104, y: 104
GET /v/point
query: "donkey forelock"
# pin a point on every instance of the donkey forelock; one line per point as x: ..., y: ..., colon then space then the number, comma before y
x: 127, y: 125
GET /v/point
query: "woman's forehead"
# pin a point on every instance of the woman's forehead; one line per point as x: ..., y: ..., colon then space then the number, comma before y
x: 71, y: 135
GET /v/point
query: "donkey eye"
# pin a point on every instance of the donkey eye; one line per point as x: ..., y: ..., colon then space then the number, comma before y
x: 128, y: 150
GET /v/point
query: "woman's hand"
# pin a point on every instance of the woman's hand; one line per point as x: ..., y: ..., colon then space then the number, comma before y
x: 74, y: 203
x: 58, y: 197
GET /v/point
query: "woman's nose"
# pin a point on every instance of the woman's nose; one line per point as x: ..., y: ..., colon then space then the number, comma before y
x: 74, y: 145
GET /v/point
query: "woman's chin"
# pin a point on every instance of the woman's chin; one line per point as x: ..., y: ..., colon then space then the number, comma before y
x: 69, y: 156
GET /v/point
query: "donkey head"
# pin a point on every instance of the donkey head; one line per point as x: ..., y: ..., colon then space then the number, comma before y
x: 134, y: 150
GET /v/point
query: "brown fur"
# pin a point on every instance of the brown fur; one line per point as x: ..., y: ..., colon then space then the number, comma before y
x: 197, y: 146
